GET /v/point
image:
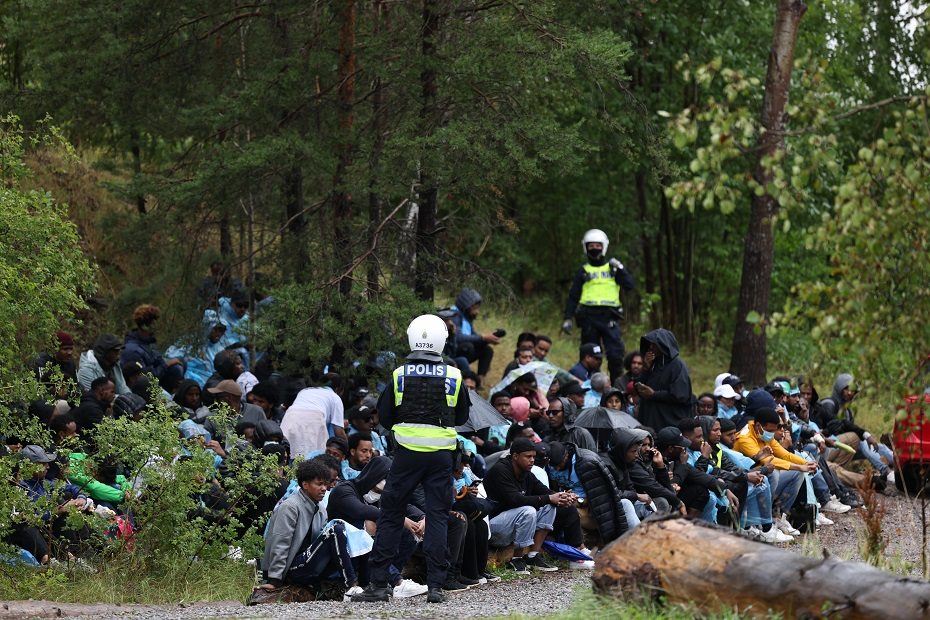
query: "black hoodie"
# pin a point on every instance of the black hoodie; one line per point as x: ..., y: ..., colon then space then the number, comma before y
x: 346, y: 500
x: 669, y: 377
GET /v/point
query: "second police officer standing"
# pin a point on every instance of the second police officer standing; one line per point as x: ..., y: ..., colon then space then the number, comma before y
x: 594, y: 300
x: 422, y: 407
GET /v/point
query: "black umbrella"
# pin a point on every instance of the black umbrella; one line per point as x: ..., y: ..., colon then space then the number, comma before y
x: 600, y: 421
x: 482, y: 415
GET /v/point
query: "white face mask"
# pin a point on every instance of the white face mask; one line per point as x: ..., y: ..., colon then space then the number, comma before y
x: 372, y: 497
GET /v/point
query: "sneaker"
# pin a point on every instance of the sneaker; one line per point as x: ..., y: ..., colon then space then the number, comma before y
x: 890, y: 477
x: 408, y: 588
x: 518, y: 565
x: 822, y: 519
x: 454, y: 585
x: 373, y: 594
x: 783, y: 524
x: 835, y: 505
x: 538, y: 563
x: 490, y: 577
x: 347, y: 597
x: 581, y: 565
x: 774, y: 535
x: 435, y: 595
x: 467, y: 582
x: 851, y: 500
x: 753, y: 532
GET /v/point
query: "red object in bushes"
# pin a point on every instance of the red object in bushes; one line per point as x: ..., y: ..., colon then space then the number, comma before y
x: 912, y: 433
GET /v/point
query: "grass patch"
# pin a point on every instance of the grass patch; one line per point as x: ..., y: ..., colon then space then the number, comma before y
x: 114, y: 583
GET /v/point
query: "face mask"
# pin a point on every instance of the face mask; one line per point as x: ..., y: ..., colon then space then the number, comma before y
x: 594, y: 254
x: 725, y: 412
x: 768, y: 436
x: 372, y: 497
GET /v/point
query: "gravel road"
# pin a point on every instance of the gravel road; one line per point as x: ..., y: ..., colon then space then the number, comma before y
x: 535, y: 596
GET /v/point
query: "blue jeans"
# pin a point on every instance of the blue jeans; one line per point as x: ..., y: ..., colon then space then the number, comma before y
x: 785, y: 486
x: 325, y: 558
x: 629, y: 511
x: 758, y: 509
x: 874, y: 456
x: 519, y: 525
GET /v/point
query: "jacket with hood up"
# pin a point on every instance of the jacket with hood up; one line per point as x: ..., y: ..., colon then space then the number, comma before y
x: 140, y: 348
x: 464, y: 330
x: 669, y: 377
x: 346, y: 500
x: 832, y: 414
x: 90, y: 367
x: 603, y: 496
x: 642, y: 474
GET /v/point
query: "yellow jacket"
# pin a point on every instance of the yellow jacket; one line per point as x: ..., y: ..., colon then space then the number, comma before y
x: 748, y: 443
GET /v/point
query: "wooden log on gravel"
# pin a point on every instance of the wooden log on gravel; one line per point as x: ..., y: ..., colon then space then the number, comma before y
x: 714, y: 569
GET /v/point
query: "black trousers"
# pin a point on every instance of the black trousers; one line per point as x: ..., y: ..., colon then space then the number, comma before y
x: 410, y: 469
x: 602, y: 326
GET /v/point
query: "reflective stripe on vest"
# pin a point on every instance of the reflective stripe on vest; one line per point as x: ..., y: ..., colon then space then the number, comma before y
x: 453, y: 380
x: 424, y: 437
x: 600, y: 287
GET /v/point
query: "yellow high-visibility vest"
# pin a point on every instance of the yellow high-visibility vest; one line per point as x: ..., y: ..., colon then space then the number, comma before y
x: 600, y: 288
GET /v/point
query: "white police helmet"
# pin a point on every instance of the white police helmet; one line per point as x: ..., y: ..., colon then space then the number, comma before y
x: 595, y: 235
x: 427, y: 332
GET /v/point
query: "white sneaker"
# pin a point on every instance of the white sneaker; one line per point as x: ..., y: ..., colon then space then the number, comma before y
x: 408, y: 588
x: 890, y: 477
x: 835, y: 505
x: 347, y: 597
x: 782, y: 524
x: 753, y: 532
x: 774, y: 535
x: 582, y: 564
x: 822, y: 520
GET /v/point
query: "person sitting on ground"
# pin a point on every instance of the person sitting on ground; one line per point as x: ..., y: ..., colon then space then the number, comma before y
x: 298, y: 549
x: 583, y: 473
x: 521, y: 357
x: 99, y: 481
x: 706, y: 404
x: 361, y: 449
x: 473, y: 346
x: 64, y: 429
x: 695, y: 488
x: 188, y: 397
x: 542, y: 348
x: 267, y: 397
x: 590, y: 357
x: 336, y: 447
x: 597, y: 387
x: 199, y: 355
x: 363, y: 419
x: 726, y: 401
x: 475, y: 549
x: 525, y: 509
x: 837, y: 418
x: 95, y: 405
x: 228, y: 366
x: 665, y: 385
x: 139, y: 346
x: 575, y: 393
x: 229, y: 393
x: 649, y: 475
x: 561, y: 414
x: 62, y: 360
x: 734, y: 479
x: 633, y: 365
x: 355, y: 502
x: 614, y: 399
x: 757, y: 441
x: 102, y: 361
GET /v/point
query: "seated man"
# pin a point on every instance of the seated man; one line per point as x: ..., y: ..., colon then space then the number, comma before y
x: 560, y: 426
x: 583, y: 473
x: 699, y: 455
x: 355, y: 502
x: 757, y: 441
x: 649, y: 475
x: 361, y: 449
x: 95, y: 404
x: 298, y: 550
x: 696, y: 489
x: 525, y: 512
x: 364, y: 419
x: 472, y: 345
x: 834, y: 415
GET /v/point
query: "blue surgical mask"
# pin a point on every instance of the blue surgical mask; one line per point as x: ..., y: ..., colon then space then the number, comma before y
x: 725, y: 412
x: 768, y: 436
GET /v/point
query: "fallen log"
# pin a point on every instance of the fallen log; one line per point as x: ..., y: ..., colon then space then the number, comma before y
x: 693, y: 562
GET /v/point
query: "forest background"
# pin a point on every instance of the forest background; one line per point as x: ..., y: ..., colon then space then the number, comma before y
x: 362, y: 161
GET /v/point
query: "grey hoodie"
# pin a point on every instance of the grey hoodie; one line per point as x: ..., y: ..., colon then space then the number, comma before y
x: 289, y: 526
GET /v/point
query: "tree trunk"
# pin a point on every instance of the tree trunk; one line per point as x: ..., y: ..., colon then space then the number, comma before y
x: 379, y: 129
x: 136, y: 149
x: 748, y: 357
x: 644, y: 241
x: 425, y: 279
x: 226, y: 247
x: 695, y: 563
x: 342, y: 199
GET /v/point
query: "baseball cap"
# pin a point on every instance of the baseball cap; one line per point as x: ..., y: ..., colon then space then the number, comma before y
x: 359, y: 412
x: 589, y: 348
x: 726, y: 391
x: 37, y: 454
x: 522, y: 444
x: 226, y: 386
x: 573, y: 388
x: 556, y: 453
x: 671, y: 436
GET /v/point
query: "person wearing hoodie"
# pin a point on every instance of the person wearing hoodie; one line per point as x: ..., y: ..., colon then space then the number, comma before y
x: 594, y: 300
x: 470, y: 344
x: 198, y: 357
x: 139, y: 346
x: 355, y: 502
x: 61, y: 360
x: 561, y: 413
x: 102, y: 361
x: 227, y: 366
x: 664, y: 387
x: 835, y: 417
x: 95, y: 405
x: 581, y: 471
x: 649, y: 474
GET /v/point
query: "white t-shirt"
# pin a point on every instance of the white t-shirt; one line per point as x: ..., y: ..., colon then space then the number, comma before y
x: 323, y: 400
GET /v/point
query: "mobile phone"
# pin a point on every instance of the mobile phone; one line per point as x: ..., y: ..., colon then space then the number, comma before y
x: 500, y: 333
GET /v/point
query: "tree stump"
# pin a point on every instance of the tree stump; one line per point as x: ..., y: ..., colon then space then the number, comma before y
x: 714, y: 569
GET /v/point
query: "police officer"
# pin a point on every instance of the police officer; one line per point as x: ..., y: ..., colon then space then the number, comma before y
x: 424, y: 404
x: 594, y: 299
